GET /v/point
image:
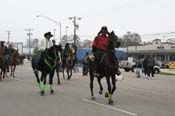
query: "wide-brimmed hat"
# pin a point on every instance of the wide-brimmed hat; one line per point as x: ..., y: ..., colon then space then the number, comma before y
x: 48, y: 34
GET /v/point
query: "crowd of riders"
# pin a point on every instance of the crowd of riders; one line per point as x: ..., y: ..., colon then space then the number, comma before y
x: 6, y: 52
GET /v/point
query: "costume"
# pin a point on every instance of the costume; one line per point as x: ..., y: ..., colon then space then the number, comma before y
x: 99, y: 48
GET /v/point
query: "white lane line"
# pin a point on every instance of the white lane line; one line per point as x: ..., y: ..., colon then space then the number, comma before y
x: 109, y: 107
x: 17, y: 79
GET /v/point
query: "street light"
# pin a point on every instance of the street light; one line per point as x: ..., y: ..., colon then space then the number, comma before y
x: 66, y: 32
x: 76, y: 26
x: 52, y: 20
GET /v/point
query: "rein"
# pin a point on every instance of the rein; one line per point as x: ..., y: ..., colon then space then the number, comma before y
x: 52, y: 60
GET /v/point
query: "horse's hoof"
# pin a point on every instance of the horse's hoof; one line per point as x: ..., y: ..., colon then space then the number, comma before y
x: 100, y: 92
x: 111, y: 102
x: 51, y: 91
x: 93, y: 98
x: 42, y: 93
x: 106, y: 95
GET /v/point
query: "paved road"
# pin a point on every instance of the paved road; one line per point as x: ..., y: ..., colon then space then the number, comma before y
x: 134, y: 96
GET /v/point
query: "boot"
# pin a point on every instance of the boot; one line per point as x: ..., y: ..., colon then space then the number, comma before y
x: 118, y: 72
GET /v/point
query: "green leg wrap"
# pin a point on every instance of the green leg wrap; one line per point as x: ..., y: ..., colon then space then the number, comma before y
x: 42, y: 86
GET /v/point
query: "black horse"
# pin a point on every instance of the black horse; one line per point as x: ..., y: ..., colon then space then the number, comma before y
x: 109, y: 68
x: 47, y: 65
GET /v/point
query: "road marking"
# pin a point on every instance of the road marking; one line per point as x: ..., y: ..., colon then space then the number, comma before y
x: 17, y: 79
x: 109, y: 107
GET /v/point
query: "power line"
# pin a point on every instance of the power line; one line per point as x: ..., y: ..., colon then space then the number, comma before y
x: 158, y: 34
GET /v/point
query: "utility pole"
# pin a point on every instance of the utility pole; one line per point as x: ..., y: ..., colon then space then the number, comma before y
x: 76, y: 26
x: 29, y: 33
x: 66, y: 33
x: 54, y: 33
x: 8, y: 32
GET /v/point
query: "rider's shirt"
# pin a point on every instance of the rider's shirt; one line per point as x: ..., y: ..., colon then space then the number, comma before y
x: 101, y: 42
x: 48, y: 43
x: 45, y: 44
x: 4, y: 50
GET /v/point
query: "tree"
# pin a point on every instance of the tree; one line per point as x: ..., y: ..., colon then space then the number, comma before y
x: 87, y: 44
x: 33, y: 43
x: 131, y: 39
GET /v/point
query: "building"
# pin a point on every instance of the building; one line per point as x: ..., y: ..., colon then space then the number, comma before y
x: 162, y: 51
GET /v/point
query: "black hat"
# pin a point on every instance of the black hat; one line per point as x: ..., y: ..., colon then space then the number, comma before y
x: 48, y: 33
x: 104, y: 28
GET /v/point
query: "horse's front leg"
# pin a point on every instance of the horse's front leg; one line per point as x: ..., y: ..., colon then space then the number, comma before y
x: 1, y: 75
x: 42, y: 83
x: 58, y: 77
x: 51, y: 82
x: 99, y: 82
x: 14, y: 71
x: 91, y: 84
x: 109, y: 90
x: 67, y: 70
x: 114, y: 84
x: 11, y: 67
x: 70, y: 73
x: 63, y: 74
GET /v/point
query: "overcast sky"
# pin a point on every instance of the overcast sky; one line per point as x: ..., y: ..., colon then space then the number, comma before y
x: 140, y: 16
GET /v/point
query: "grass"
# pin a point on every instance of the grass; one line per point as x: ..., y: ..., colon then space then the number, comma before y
x: 167, y: 73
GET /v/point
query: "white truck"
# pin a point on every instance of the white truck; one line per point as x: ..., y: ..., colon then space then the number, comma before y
x: 127, y: 65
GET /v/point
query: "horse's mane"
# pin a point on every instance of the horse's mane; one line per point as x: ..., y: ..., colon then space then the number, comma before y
x: 0, y: 51
x: 113, y: 41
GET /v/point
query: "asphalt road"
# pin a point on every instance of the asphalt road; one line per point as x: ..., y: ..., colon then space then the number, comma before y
x: 134, y: 96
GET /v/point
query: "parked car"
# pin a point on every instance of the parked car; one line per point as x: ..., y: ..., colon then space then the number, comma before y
x: 127, y: 65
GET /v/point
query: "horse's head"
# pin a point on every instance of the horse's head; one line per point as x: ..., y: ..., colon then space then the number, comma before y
x: 53, y: 52
x: 113, y: 41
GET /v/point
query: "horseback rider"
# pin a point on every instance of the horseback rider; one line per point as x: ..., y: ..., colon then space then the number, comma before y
x: 74, y: 48
x: 100, y: 47
x: 11, y: 50
x: 5, y: 53
x: 66, y: 53
x: 85, y: 63
x: 47, y: 45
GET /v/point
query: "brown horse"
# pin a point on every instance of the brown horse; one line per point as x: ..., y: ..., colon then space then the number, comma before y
x: 13, y: 62
x: 2, y: 65
x: 68, y: 64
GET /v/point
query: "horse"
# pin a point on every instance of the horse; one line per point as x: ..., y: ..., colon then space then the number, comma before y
x: 13, y: 62
x: 58, y: 67
x: 108, y: 68
x: 2, y: 65
x: 68, y: 64
x: 47, y: 65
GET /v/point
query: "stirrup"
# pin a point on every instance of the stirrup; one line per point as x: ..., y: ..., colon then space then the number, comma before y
x: 118, y: 72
